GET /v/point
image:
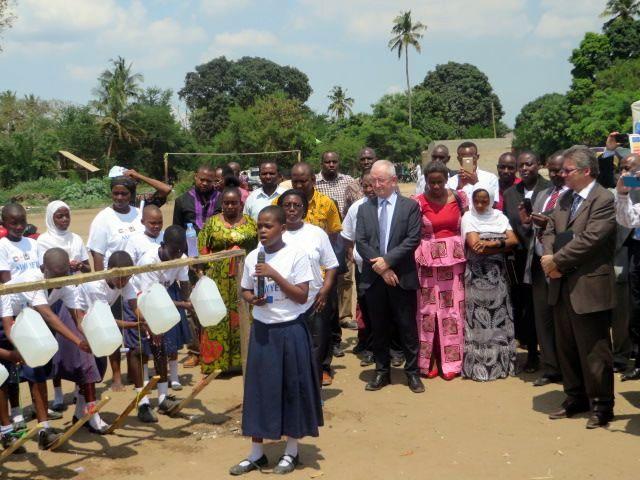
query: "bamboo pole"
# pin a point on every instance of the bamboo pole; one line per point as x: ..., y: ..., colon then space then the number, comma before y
x: 241, y: 154
x: 116, y: 272
x: 245, y: 316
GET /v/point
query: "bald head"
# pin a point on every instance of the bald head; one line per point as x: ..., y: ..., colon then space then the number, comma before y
x: 441, y: 153
x: 235, y: 167
x: 302, y: 178
x: 302, y: 168
x: 56, y: 263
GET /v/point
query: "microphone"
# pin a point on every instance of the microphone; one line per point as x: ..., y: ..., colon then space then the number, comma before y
x: 261, y: 259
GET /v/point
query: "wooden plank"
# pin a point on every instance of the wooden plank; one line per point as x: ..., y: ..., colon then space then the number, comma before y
x: 244, y: 313
x: 78, y: 425
x: 21, y: 441
x: 117, y: 423
x: 116, y: 272
x: 201, y: 385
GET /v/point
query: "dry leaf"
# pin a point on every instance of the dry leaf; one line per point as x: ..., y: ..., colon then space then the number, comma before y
x: 407, y: 453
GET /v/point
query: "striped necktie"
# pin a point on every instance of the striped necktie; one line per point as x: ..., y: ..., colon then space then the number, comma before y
x: 577, y: 200
x: 553, y: 199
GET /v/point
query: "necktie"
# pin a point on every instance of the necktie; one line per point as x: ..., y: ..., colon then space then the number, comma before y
x: 553, y: 199
x: 577, y: 200
x: 382, y: 225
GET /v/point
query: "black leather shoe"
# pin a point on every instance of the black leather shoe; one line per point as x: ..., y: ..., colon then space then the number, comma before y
x: 633, y: 374
x: 381, y: 380
x: 247, y: 466
x: 336, y: 351
x: 599, y: 419
x: 569, y: 411
x: 366, y: 359
x: 415, y: 384
x: 546, y: 380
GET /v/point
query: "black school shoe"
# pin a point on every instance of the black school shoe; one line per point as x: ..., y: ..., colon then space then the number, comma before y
x: 47, y: 437
x: 289, y: 467
x: 167, y: 405
x: 241, y: 469
x: 146, y: 415
x: 8, y: 439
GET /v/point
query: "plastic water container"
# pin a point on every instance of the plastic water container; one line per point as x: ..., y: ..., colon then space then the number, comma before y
x: 158, y: 309
x: 101, y: 329
x: 33, y: 339
x: 207, y: 302
x: 4, y: 374
x: 192, y: 241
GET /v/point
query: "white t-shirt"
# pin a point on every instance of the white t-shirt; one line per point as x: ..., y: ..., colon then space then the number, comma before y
x: 143, y: 281
x: 12, y: 304
x: 257, y: 200
x: 110, y: 231
x: 349, y: 229
x: 290, y: 262
x: 140, y: 243
x: 76, y: 249
x: 19, y: 257
x: 486, y: 179
x: 91, y: 292
x: 318, y: 248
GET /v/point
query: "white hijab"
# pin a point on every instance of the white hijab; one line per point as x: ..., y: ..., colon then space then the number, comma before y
x: 490, y: 221
x: 54, y: 237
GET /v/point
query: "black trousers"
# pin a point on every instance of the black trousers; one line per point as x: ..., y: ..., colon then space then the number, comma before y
x: 584, y: 353
x: 364, y: 335
x: 634, y: 293
x: 543, y: 312
x: 523, y: 314
x: 390, y: 307
x: 318, y: 325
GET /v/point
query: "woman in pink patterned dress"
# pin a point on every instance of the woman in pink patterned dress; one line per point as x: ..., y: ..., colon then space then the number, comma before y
x: 441, y: 264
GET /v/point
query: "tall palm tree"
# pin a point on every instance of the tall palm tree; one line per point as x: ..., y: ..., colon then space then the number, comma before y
x: 406, y: 33
x: 116, y: 88
x: 340, y: 105
x: 621, y: 9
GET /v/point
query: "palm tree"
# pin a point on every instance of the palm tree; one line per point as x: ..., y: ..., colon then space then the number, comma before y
x: 340, y: 105
x: 621, y: 9
x: 406, y: 33
x: 115, y: 91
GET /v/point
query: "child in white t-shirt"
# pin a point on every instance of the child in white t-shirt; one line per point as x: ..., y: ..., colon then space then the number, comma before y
x: 141, y: 242
x: 282, y: 389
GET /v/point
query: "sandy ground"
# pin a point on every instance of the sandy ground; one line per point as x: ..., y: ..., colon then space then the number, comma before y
x: 456, y: 430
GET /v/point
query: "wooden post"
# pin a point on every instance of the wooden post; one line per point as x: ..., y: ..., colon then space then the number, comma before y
x: 244, y: 313
x: 165, y: 157
x: 299, y: 156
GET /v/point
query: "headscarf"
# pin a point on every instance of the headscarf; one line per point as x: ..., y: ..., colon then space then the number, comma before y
x: 56, y: 237
x: 490, y: 221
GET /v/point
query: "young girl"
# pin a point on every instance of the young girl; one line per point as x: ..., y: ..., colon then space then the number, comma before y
x: 282, y: 391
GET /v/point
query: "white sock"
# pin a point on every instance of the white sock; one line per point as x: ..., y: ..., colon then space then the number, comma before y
x: 45, y: 425
x: 18, y: 418
x: 173, y: 371
x: 257, y: 451
x: 163, y: 389
x: 145, y: 374
x: 58, y: 396
x: 6, y: 429
x: 292, y: 447
x: 95, y: 421
x: 144, y: 400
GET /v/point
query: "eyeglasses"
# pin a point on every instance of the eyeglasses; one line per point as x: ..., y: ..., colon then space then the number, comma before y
x: 568, y: 171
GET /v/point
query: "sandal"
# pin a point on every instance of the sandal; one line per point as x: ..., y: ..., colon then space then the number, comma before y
x: 289, y: 467
x: 246, y: 466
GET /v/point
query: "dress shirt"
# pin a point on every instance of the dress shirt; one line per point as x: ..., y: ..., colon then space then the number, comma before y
x: 258, y: 199
x: 390, y: 209
x: 486, y: 179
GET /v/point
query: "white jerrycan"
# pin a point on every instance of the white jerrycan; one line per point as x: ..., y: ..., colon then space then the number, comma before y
x: 4, y: 374
x: 33, y: 339
x: 158, y: 309
x: 207, y: 302
x: 101, y: 329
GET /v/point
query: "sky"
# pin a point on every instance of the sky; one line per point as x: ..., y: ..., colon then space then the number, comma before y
x: 57, y: 48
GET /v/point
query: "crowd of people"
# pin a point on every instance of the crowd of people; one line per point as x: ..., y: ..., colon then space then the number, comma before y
x: 448, y: 282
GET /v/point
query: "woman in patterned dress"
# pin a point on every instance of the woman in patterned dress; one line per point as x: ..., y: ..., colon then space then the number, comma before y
x: 489, y: 343
x: 441, y: 262
x: 220, y: 344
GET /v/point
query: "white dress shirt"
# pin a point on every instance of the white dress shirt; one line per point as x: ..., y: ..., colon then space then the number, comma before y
x: 258, y: 199
x: 486, y: 179
x: 390, y: 205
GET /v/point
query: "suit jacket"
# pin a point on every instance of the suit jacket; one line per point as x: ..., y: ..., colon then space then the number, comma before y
x: 541, y: 197
x: 513, y: 196
x: 404, y: 237
x: 586, y: 261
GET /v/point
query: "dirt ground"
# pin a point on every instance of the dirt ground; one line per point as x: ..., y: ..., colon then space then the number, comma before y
x: 456, y: 430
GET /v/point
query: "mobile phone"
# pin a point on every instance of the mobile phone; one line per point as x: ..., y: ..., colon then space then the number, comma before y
x: 467, y: 164
x: 631, y: 181
x: 528, y: 207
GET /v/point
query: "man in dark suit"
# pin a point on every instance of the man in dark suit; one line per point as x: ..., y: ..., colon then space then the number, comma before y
x: 579, y: 246
x: 528, y: 164
x: 387, y: 234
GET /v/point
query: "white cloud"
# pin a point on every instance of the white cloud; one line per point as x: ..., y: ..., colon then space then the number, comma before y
x: 554, y: 23
x: 246, y: 38
x: 34, y: 48
x: 394, y: 89
x: 63, y: 15
x: 83, y: 72
x: 218, y: 7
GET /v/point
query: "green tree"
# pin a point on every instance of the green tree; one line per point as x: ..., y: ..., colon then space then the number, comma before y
x: 78, y: 131
x: 624, y: 38
x: 621, y: 10
x: 116, y: 90
x: 542, y: 125
x: 593, y: 54
x: 622, y: 75
x: 406, y: 33
x: 275, y: 122
x: 466, y: 93
x: 340, y: 105
x: 220, y: 84
x: 7, y: 16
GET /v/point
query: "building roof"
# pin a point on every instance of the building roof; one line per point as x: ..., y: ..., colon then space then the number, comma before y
x: 77, y: 160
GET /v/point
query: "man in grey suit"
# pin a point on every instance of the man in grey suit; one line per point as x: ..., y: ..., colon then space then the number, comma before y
x: 579, y: 245
x: 387, y: 233
x: 536, y: 223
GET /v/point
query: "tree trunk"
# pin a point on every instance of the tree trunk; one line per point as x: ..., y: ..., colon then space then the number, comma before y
x: 406, y: 64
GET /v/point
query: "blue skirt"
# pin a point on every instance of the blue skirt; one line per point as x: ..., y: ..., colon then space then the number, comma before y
x: 281, y: 386
x: 180, y: 334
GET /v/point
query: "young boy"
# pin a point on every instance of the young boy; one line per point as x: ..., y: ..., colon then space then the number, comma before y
x: 171, y: 248
x: 40, y: 301
x: 140, y: 242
